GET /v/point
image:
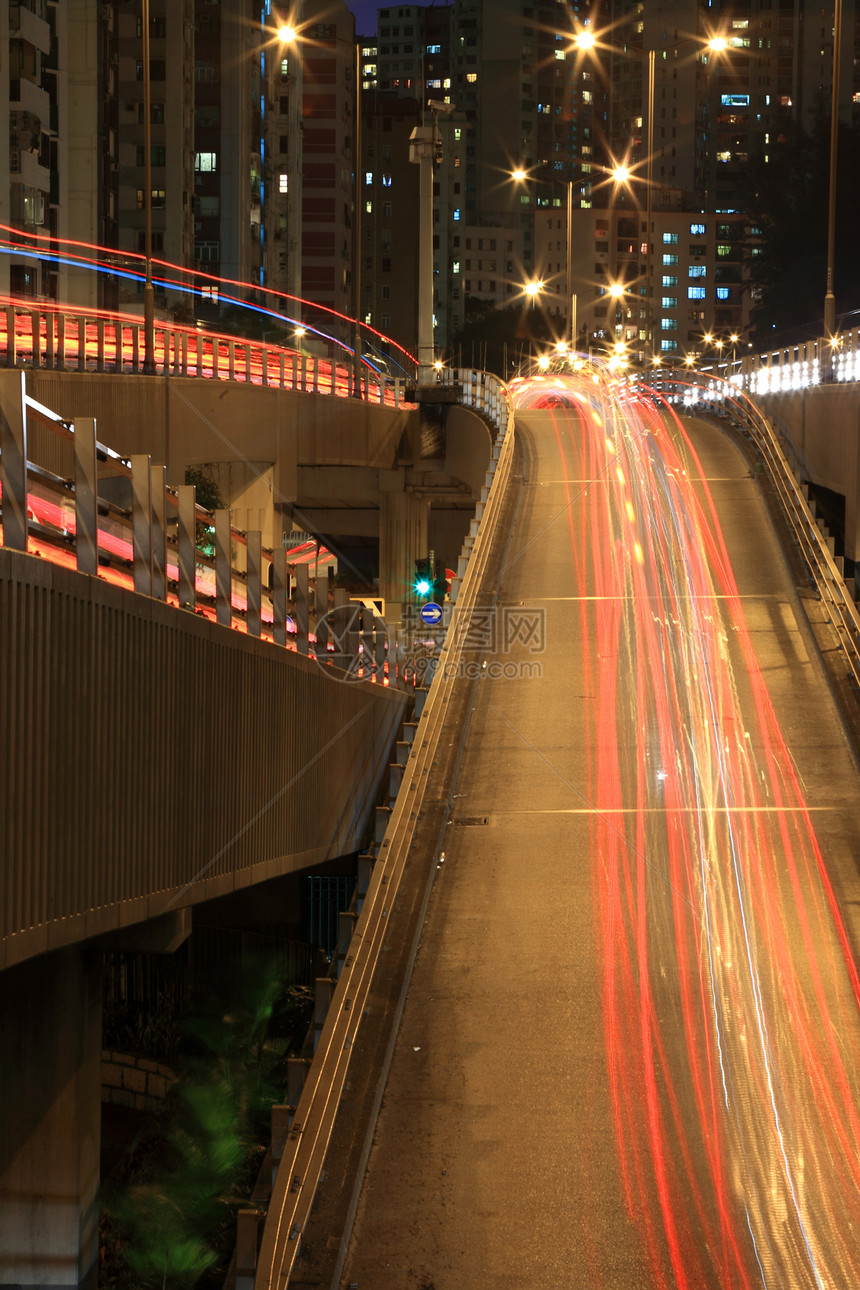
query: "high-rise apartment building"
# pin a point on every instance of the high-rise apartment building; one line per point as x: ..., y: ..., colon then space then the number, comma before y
x: 253, y: 161
x: 310, y: 134
x: 171, y: 85
x: 58, y: 141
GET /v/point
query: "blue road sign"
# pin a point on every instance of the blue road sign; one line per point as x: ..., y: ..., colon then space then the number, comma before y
x: 431, y: 613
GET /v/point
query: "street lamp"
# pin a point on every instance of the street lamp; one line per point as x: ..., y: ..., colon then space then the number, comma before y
x: 425, y: 148
x: 520, y: 175
x: 288, y: 35
x: 148, y: 294
x: 829, y: 297
x: 586, y: 40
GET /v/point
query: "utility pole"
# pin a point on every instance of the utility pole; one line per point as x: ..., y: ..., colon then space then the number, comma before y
x: 425, y: 148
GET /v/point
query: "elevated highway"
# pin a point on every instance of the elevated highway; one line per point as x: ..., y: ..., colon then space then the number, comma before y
x: 627, y: 1036
x: 96, y: 859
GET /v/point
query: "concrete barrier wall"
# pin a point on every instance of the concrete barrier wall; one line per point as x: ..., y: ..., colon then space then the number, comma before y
x: 153, y: 760
x: 182, y: 421
x: 822, y: 423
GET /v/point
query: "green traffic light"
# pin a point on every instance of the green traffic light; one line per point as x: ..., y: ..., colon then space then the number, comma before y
x: 422, y: 586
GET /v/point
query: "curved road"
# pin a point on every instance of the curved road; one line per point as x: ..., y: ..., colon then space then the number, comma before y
x: 630, y: 1052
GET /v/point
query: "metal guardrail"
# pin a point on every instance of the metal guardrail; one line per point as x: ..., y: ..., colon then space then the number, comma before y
x: 479, y: 390
x: 817, y: 548
x: 310, y: 1132
x: 825, y: 360
x: 56, y: 340
x: 151, y: 545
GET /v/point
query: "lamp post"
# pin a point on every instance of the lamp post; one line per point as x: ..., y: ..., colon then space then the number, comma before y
x: 586, y: 40
x: 571, y: 294
x: 829, y: 297
x: 356, y: 230
x: 424, y: 150
x: 289, y: 35
x: 520, y: 176
x: 148, y: 294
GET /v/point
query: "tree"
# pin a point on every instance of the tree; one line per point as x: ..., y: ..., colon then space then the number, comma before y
x: 491, y: 333
x: 171, y: 1221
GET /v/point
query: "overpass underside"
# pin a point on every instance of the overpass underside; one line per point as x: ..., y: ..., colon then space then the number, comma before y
x: 152, y: 760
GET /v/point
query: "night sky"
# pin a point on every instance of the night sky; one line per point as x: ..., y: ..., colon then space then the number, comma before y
x: 365, y: 15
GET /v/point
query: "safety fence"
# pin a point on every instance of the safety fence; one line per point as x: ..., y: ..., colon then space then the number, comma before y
x: 89, y: 342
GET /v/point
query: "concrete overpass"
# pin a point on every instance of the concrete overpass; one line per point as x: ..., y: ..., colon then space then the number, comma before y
x: 85, y: 658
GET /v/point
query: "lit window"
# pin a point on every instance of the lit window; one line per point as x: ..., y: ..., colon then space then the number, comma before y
x: 698, y: 230
x: 668, y: 346
x: 670, y: 239
x: 723, y: 249
x: 669, y: 302
x: 698, y: 271
x: 455, y: 267
x: 471, y: 77
x: 283, y: 182
x: 669, y: 324
x: 724, y: 293
x: 205, y: 161
x: 670, y: 279
x: 456, y: 214
x: 696, y: 293
x: 670, y: 259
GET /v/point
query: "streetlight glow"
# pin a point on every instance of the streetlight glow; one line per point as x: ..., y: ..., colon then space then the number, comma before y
x: 533, y: 288
x: 584, y: 40
x: 287, y: 34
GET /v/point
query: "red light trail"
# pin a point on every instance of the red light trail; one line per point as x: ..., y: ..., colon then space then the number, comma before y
x: 716, y: 916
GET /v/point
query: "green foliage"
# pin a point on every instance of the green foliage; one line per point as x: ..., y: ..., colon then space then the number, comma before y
x: 170, y: 1220
x: 491, y: 334
x: 209, y: 497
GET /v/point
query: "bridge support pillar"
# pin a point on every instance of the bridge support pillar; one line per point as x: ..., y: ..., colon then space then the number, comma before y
x: 403, y: 538
x: 50, y: 1073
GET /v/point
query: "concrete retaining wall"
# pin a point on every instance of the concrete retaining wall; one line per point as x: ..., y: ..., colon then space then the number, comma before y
x: 135, y: 1082
x: 153, y: 759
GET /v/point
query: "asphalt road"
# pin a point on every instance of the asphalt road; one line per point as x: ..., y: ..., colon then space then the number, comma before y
x: 630, y: 1050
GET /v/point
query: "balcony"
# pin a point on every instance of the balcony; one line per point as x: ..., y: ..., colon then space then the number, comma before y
x: 27, y: 96
x: 25, y: 25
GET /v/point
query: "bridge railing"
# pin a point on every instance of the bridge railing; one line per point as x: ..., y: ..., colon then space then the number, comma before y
x: 84, y: 341
x: 116, y: 518
x: 479, y: 390
x: 303, y: 1147
x: 815, y: 543
x: 794, y: 367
